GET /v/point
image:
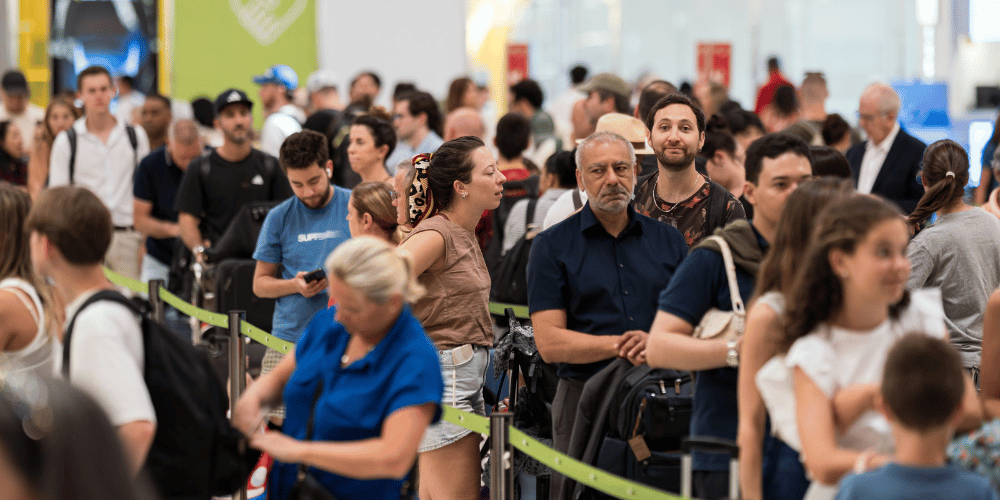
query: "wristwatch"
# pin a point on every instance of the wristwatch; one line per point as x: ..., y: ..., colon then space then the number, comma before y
x: 732, y: 355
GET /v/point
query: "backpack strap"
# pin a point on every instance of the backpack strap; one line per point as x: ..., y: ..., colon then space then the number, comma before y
x: 103, y: 295
x: 134, y: 141
x: 718, y: 198
x: 529, y: 214
x: 71, y: 135
x: 734, y: 290
x: 577, y: 201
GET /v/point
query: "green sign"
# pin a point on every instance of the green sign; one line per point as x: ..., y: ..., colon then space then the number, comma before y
x: 220, y: 44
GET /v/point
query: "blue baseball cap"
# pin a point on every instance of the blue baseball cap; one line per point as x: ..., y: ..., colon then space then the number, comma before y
x: 280, y: 74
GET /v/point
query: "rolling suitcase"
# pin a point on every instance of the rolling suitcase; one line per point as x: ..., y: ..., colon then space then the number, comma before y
x: 710, y: 445
x: 234, y: 291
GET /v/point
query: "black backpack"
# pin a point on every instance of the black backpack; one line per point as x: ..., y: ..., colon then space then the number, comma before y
x: 510, y: 275
x: 513, y: 192
x: 196, y: 453
x: 654, y: 403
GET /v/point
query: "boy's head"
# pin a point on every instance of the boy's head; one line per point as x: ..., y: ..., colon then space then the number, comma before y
x: 923, y: 383
x: 74, y: 221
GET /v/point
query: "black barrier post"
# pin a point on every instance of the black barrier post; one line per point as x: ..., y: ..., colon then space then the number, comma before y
x: 237, y: 373
x: 501, y: 456
x: 159, y: 309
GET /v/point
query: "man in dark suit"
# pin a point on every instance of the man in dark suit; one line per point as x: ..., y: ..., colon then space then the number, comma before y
x: 887, y: 163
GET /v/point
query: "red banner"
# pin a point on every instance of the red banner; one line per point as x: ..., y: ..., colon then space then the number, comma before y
x: 714, y: 62
x: 517, y: 62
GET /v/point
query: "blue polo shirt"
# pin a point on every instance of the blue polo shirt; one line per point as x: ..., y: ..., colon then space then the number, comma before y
x: 298, y: 238
x: 400, y: 372
x: 607, y: 285
x: 699, y: 285
x: 156, y: 181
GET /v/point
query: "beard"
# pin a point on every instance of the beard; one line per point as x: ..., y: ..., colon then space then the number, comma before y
x: 675, y: 164
x: 318, y: 201
x: 238, y: 135
x: 612, y: 206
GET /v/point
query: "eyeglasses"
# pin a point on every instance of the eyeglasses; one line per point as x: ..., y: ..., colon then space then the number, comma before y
x: 867, y: 118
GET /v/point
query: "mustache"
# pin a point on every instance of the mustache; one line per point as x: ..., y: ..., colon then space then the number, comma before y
x: 618, y: 189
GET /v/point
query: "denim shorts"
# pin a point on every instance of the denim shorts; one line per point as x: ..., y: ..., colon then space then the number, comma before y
x: 464, y: 376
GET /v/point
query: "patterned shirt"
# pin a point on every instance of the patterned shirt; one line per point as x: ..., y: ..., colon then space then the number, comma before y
x: 689, y: 216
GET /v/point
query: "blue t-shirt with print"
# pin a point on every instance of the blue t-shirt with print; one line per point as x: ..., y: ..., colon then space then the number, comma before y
x: 896, y: 481
x: 298, y: 238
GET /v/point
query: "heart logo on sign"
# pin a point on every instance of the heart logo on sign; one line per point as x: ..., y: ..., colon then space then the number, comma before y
x: 262, y: 20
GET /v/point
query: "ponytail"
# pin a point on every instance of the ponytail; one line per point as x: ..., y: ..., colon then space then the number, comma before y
x: 946, y: 171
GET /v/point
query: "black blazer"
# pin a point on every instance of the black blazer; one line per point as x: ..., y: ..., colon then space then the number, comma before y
x: 897, y: 179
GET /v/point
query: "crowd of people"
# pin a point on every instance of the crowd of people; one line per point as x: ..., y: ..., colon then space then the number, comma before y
x: 862, y: 279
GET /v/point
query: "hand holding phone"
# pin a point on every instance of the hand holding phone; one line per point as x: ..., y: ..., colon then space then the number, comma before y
x: 314, y: 276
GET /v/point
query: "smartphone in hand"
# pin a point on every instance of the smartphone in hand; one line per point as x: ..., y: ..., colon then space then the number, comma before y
x: 315, y: 275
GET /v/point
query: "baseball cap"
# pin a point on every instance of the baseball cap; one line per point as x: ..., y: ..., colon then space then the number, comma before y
x: 607, y: 82
x: 231, y: 96
x: 13, y: 82
x: 280, y: 74
x: 629, y: 127
x: 320, y: 80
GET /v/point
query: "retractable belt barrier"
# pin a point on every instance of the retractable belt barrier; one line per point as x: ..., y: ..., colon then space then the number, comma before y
x: 580, y: 472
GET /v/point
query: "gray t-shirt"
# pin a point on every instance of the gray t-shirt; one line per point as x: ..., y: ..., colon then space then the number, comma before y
x: 960, y: 254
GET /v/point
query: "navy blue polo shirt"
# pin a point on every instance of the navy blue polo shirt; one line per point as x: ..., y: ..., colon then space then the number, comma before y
x: 699, y: 285
x: 156, y: 181
x: 400, y: 372
x: 607, y: 285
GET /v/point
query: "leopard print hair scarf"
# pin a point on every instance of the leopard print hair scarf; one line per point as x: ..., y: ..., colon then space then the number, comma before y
x: 419, y: 193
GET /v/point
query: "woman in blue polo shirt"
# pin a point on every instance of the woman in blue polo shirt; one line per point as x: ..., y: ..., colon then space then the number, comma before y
x: 374, y: 403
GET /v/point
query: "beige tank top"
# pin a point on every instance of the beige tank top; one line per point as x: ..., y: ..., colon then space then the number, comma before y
x: 455, y: 309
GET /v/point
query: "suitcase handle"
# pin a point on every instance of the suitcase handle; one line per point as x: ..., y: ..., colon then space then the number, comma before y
x: 711, y: 445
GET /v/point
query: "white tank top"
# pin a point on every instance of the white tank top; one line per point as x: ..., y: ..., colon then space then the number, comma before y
x: 37, y: 356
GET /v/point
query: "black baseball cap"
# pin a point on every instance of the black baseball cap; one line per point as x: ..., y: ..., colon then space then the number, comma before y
x: 13, y: 82
x: 231, y: 96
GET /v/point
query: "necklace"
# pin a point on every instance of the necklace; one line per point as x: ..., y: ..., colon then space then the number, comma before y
x: 346, y: 360
x: 674, y: 205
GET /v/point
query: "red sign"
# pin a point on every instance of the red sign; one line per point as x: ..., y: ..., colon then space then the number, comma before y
x: 714, y: 62
x: 517, y: 62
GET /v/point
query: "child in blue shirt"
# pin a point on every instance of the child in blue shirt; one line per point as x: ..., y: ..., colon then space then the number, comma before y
x: 923, y: 386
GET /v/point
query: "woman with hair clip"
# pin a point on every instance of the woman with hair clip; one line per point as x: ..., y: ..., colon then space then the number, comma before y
x: 27, y: 320
x: 960, y: 252
x: 57, y: 444
x: 352, y: 426
x: 372, y: 140
x: 370, y: 212
x: 450, y: 191
x: 784, y: 478
x: 846, y: 307
x: 724, y: 160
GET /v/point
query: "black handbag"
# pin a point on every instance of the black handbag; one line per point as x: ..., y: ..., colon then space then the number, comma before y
x: 306, y: 486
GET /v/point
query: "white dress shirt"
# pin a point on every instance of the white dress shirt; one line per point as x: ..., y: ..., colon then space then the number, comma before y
x: 106, y: 168
x: 873, y: 159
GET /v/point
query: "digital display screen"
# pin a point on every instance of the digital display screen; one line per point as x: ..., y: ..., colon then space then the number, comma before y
x: 120, y: 35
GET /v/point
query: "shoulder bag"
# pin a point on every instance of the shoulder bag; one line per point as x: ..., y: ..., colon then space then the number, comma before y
x: 727, y: 325
x: 307, y: 487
